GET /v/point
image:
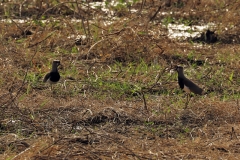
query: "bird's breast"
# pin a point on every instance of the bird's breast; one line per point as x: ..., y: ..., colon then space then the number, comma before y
x: 54, y: 77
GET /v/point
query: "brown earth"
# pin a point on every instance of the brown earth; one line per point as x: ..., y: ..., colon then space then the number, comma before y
x: 106, y: 105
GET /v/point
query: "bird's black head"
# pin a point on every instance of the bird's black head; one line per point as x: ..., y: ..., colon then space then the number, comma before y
x: 57, y: 63
x: 179, y: 68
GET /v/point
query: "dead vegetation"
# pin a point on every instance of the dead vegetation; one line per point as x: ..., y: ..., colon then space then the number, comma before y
x: 117, y: 98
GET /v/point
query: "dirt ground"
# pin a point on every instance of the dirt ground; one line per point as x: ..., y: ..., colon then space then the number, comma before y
x: 118, y: 97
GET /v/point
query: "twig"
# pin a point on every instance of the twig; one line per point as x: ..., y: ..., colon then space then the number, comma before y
x: 211, y: 142
x: 159, y: 75
x: 155, y: 14
x: 54, y: 7
x: 23, y: 83
x: 142, y: 5
x: 207, y: 73
x: 233, y: 133
x: 17, y: 26
x: 41, y: 40
x: 144, y: 100
x: 88, y: 26
x: 94, y: 46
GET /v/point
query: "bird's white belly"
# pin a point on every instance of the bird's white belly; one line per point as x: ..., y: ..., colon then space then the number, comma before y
x: 51, y: 82
x: 186, y: 89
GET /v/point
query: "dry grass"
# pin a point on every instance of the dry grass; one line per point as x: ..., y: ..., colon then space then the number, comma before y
x: 97, y: 110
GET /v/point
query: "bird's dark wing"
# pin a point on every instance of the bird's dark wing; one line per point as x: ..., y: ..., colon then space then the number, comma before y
x: 46, y: 77
x: 193, y: 87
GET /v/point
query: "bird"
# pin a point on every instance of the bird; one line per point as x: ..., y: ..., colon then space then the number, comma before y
x: 187, y: 85
x: 53, y: 76
x: 211, y: 37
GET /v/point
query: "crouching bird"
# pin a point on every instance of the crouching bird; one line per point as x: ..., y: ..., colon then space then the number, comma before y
x: 187, y: 85
x: 53, y: 76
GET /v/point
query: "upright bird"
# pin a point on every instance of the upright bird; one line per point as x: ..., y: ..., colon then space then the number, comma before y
x: 186, y: 84
x: 53, y: 76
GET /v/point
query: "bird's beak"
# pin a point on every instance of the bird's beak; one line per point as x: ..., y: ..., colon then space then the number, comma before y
x: 176, y: 68
x: 60, y: 66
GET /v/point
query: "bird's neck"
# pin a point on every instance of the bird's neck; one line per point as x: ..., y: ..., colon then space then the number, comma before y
x: 54, y: 68
x: 181, y: 75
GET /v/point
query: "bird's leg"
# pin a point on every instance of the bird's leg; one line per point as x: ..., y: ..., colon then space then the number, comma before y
x: 52, y: 89
x: 188, y: 96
